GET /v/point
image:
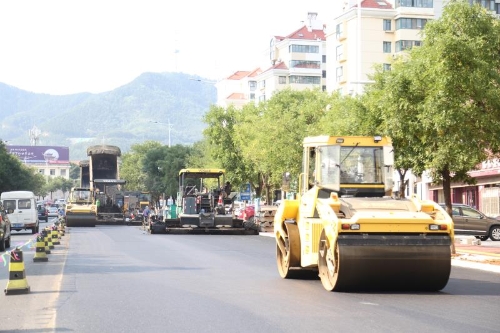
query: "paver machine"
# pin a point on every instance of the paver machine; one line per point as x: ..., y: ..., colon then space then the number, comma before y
x: 347, y: 228
x: 201, y: 206
x: 106, y: 184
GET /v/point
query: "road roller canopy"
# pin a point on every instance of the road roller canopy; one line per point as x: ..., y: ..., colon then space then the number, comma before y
x: 200, y: 180
x: 202, y: 173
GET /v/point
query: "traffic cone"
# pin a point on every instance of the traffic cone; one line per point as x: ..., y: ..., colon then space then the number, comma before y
x: 45, y: 241
x: 40, y: 254
x: 55, y: 237
x: 48, y: 239
x: 220, y: 202
x: 17, y: 276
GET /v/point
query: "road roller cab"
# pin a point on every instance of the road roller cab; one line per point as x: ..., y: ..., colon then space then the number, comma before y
x: 346, y: 227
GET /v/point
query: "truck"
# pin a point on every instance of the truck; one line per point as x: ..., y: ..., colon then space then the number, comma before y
x: 200, y: 206
x: 105, y: 183
x: 346, y: 227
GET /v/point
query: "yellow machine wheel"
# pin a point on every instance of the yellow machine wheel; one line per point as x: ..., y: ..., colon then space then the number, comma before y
x: 283, y: 259
x: 328, y: 263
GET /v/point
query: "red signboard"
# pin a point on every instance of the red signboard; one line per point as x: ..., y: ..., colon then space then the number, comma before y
x: 40, y: 154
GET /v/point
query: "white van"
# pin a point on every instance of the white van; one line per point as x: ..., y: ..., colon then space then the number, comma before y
x: 21, y: 209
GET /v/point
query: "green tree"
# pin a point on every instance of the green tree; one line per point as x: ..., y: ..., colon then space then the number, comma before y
x: 441, y: 104
x: 201, y: 156
x: 15, y: 176
x: 224, y: 149
x: 161, y: 168
x: 270, y: 135
x: 74, y: 172
x: 131, y: 168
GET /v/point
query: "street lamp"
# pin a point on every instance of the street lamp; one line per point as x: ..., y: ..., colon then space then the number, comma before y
x: 169, y: 128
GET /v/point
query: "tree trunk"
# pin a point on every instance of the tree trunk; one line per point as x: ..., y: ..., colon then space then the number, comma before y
x: 402, y: 183
x: 445, y: 174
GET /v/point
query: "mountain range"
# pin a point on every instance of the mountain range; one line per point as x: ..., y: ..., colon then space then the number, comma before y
x: 133, y: 113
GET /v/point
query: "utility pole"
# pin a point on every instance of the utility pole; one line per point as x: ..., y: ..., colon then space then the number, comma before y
x: 169, y: 129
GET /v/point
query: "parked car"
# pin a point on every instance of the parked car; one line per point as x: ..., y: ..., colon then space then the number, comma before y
x: 43, y: 213
x: 4, y: 229
x: 53, y: 210
x: 469, y: 221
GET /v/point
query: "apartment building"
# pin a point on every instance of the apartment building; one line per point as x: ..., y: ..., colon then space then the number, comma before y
x: 297, y: 60
x: 371, y: 34
x: 237, y: 89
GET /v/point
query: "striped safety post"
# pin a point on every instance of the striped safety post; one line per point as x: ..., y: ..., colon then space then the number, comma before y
x: 17, y: 284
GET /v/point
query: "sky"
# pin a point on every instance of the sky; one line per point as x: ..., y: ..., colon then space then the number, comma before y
x: 63, y: 47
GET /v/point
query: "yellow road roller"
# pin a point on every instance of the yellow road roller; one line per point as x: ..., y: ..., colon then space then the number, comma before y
x: 346, y: 227
x: 81, y: 210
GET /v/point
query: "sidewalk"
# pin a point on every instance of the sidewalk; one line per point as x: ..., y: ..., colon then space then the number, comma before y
x: 471, y: 252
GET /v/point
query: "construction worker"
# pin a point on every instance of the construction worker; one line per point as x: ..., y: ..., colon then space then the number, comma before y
x: 145, y: 214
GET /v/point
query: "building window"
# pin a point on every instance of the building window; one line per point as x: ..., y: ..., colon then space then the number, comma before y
x: 304, y: 48
x: 52, y: 172
x: 41, y: 171
x: 488, y: 4
x: 262, y: 98
x: 339, y: 73
x: 339, y: 52
x: 387, y: 47
x: 305, y: 64
x: 282, y: 80
x: 414, y: 3
x: 63, y: 172
x: 252, y: 85
x: 262, y: 84
x: 252, y: 96
x: 339, y: 30
x: 323, y: 59
x: 387, y: 25
x: 402, y: 45
x: 410, y: 23
x: 323, y: 88
x: 387, y: 67
x: 323, y: 74
x: 305, y: 79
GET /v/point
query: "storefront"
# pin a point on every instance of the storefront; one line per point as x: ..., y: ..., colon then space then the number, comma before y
x: 484, y: 195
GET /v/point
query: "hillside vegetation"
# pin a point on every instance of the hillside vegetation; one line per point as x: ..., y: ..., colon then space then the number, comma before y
x: 121, y: 117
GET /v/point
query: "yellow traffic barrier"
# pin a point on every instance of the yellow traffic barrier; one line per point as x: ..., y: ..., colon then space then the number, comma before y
x: 43, y: 234
x: 55, y: 237
x: 45, y: 241
x: 17, y: 283
x: 49, y: 238
x: 40, y: 254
